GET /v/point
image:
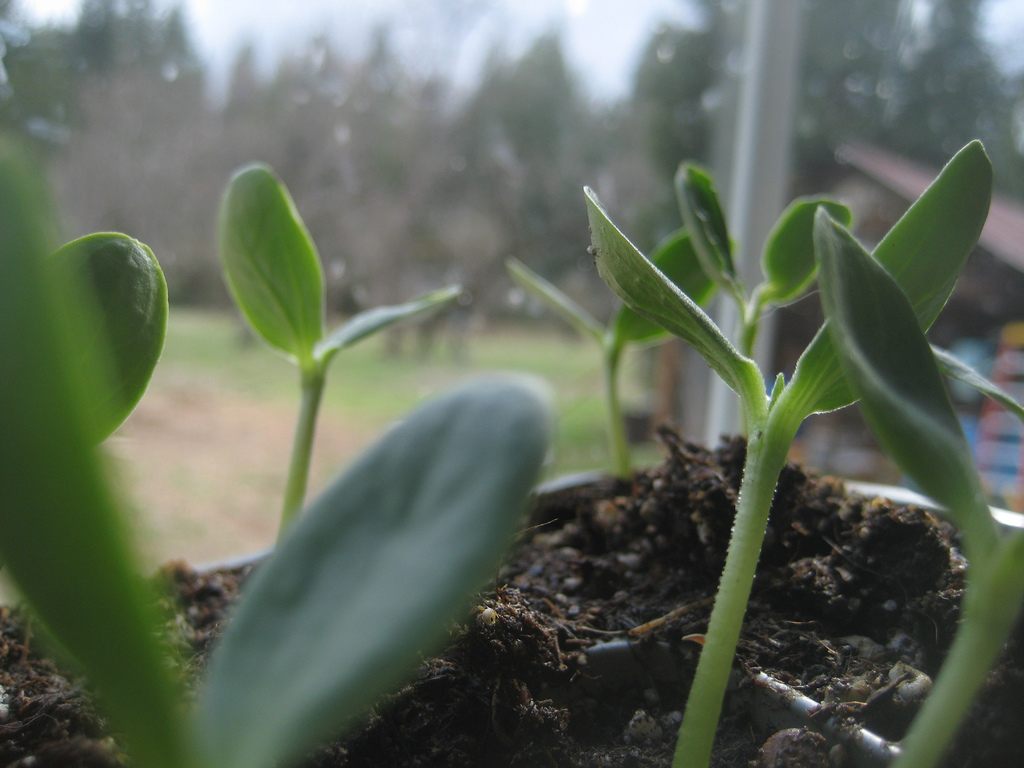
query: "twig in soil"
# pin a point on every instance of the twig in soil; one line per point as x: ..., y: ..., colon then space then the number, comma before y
x: 522, y: 533
x: 596, y: 631
x: 495, y: 726
x: 26, y: 642
x: 846, y: 556
x: 675, y: 613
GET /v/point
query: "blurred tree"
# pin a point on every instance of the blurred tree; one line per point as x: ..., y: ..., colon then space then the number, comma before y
x: 951, y: 91
x: 916, y: 78
x: 37, y: 88
x: 243, y: 82
x: 847, y: 75
x: 406, y: 182
x: 525, y: 138
x: 673, y: 88
x: 676, y: 90
x: 117, y: 34
x: 135, y: 160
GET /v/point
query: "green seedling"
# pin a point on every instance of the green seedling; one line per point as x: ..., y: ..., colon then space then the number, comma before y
x: 128, y: 295
x: 273, y: 273
x: 358, y: 588
x: 675, y: 257
x: 890, y: 367
x: 924, y: 252
x: 954, y: 368
x: 787, y: 261
x: 61, y: 538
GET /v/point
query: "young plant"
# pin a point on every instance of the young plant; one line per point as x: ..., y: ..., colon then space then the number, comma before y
x: 273, y: 273
x: 890, y: 367
x: 128, y: 296
x: 61, y: 539
x: 368, y: 579
x: 924, y: 251
x: 675, y: 257
x: 787, y: 260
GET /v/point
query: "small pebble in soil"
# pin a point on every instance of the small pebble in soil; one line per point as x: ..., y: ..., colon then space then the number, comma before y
x: 793, y: 747
x: 906, y: 648
x: 606, y: 514
x: 671, y: 721
x: 705, y: 533
x: 629, y: 560
x: 837, y: 756
x: 857, y: 689
x: 488, y: 617
x: 649, y: 510
x: 642, y: 729
x: 864, y: 647
x: 914, y: 687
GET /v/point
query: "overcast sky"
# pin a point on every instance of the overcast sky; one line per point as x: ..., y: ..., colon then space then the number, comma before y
x: 602, y: 37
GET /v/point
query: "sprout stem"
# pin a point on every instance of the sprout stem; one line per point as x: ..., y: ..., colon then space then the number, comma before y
x: 768, y: 443
x: 302, y: 447
x: 621, y: 463
x: 750, y: 320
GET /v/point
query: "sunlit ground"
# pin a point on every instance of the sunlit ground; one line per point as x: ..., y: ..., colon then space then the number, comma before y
x: 203, y: 458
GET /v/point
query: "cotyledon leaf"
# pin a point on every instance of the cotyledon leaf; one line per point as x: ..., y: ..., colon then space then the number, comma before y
x: 270, y: 263
x: 959, y: 370
x: 890, y: 367
x: 924, y: 252
x: 372, y: 574
x: 651, y: 294
x: 676, y: 259
x: 788, y: 258
x: 126, y: 284
x: 704, y: 221
x: 371, y: 321
x: 555, y: 299
x: 62, y: 539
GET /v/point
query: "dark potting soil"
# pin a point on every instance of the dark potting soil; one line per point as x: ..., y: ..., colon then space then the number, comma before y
x: 583, y: 653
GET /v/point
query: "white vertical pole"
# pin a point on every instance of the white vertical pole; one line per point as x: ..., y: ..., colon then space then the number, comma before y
x: 760, y: 164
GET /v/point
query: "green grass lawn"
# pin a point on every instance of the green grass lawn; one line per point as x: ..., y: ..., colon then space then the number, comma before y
x: 203, y: 458
x: 369, y: 387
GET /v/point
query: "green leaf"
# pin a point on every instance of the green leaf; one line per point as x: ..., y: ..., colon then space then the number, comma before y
x: 367, y: 323
x: 704, y: 220
x: 788, y: 259
x: 62, y: 539
x: 566, y: 308
x: 889, y: 365
x: 959, y: 370
x: 270, y: 263
x: 124, y: 278
x: 924, y: 251
x: 676, y: 259
x: 651, y: 294
x: 372, y: 574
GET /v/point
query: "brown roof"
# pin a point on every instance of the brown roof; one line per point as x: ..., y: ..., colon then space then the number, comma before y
x: 1003, y: 234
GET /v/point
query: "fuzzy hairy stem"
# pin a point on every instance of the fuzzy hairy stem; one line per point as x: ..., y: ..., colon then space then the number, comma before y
x: 768, y: 443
